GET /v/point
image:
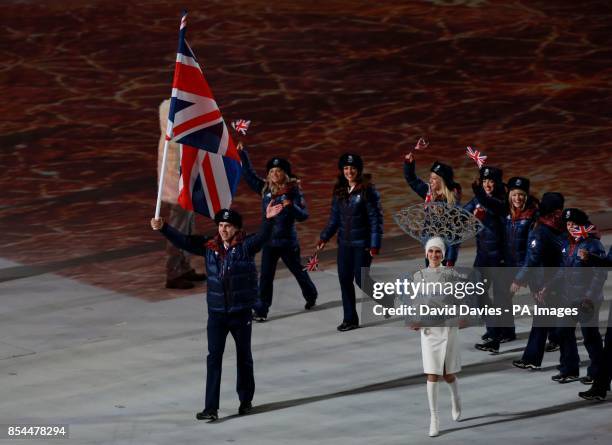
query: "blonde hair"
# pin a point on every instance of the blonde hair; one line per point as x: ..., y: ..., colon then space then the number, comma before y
x: 449, y: 195
x: 512, y: 192
x: 276, y: 188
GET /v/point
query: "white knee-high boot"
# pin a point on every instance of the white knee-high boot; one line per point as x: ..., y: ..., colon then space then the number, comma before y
x: 432, y: 396
x: 455, y: 399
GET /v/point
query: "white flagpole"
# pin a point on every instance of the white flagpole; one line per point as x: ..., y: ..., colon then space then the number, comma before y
x: 162, y: 173
x: 161, y: 180
x: 170, y: 133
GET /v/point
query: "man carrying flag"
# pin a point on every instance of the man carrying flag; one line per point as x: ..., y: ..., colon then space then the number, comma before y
x: 210, y: 171
x: 231, y: 294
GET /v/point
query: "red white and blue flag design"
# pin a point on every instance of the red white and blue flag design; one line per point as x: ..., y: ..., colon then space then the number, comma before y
x: 208, y: 181
x: 476, y: 156
x: 581, y: 232
x: 241, y: 126
x: 210, y: 163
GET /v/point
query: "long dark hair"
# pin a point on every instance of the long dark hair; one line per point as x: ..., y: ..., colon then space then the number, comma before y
x: 499, y: 190
x: 341, y: 186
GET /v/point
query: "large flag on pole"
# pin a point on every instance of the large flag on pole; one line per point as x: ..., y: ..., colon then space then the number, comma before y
x: 210, y: 163
x: 208, y: 181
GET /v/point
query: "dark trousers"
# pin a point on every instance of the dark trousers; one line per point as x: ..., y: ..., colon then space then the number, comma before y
x: 492, y: 283
x: 291, y: 257
x: 542, y: 328
x: 219, y: 325
x: 602, y: 381
x: 502, y: 326
x: 350, y: 261
x: 534, y: 351
x: 569, y: 358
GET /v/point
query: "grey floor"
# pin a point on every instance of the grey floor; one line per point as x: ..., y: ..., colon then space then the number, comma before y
x: 118, y: 370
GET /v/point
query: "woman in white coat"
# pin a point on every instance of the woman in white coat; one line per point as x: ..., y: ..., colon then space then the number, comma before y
x: 440, y: 343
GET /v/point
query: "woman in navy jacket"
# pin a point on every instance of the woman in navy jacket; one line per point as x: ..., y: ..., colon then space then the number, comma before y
x: 356, y: 215
x: 519, y: 211
x: 581, y: 286
x: 489, y: 241
x: 441, y: 188
x: 601, y: 383
x: 279, y: 187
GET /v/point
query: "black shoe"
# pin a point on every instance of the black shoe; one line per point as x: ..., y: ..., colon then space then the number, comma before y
x: 310, y: 303
x: 347, y: 326
x: 260, y: 318
x: 522, y: 364
x: 486, y: 337
x: 593, y: 394
x: 490, y: 346
x: 587, y: 380
x: 192, y: 275
x: 207, y: 414
x: 551, y: 346
x: 179, y: 283
x: 507, y: 339
x: 245, y: 408
x: 564, y: 378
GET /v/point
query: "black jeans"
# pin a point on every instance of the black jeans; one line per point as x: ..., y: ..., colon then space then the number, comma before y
x: 602, y: 381
x: 291, y: 257
x: 239, y: 324
x: 569, y: 358
x: 350, y: 262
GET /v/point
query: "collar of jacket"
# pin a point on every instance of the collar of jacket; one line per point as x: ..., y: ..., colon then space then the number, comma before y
x: 554, y: 223
x: 528, y: 212
x: 216, y: 244
x: 343, y: 193
x: 287, y: 188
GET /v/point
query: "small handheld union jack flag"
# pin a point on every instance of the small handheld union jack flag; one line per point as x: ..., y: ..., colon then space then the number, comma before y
x: 581, y: 232
x: 241, y: 126
x: 312, y: 263
x: 421, y: 144
x: 476, y: 156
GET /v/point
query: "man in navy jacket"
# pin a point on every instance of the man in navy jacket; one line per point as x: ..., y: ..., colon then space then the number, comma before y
x: 543, y: 259
x: 232, y: 290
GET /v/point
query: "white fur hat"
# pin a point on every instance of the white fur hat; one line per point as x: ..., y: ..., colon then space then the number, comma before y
x: 436, y: 241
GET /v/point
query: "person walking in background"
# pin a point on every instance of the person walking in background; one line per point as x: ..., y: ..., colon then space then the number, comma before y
x: 601, y: 383
x: 489, y: 241
x: 581, y: 286
x: 280, y: 186
x: 519, y: 211
x: 179, y: 273
x: 441, y: 188
x: 543, y: 258
x: 356, y: 215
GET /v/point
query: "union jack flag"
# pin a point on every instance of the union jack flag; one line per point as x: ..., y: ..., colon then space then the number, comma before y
x: 421, y: 144
x: 476, y: 156
x: 210, y: 163
x: 241, y: 126
x: 312, y: 263
x: 581, y: 232
x: 194, y: 118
